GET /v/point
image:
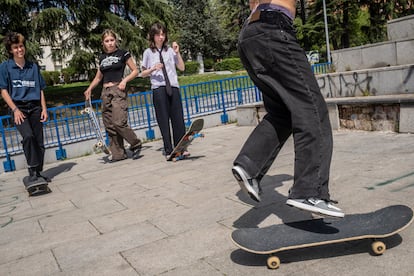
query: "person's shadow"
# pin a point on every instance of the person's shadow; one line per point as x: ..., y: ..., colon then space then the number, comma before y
x: 129, y: 155
x: 52, y: 172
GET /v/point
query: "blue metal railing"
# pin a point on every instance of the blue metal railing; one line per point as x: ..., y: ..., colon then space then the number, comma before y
x: 67, y: 125
x: 321, y: 68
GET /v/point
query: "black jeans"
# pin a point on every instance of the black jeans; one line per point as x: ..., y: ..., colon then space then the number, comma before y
x: 278, y: 66
x: 169, y: 108
x: 31, y: 131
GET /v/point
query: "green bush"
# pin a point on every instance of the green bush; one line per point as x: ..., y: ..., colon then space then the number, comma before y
x: 191, y: 68
x: 51, y: 77
x: 68, y: 74
x: 229, y: 64
x: 208, y: 64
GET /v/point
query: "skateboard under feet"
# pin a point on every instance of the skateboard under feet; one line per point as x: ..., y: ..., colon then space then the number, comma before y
x: 39, y: 188
x: 376, y: 225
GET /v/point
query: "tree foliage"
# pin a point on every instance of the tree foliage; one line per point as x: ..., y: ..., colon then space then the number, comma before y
x: 199, y: 29
x: 232, y: 14
x: 74, y: 27
x: 350, y: 23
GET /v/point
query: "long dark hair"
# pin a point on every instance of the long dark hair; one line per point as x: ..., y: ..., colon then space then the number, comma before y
x: 157, y: 28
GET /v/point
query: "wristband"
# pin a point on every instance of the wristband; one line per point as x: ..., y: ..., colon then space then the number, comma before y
x: 14, y: 109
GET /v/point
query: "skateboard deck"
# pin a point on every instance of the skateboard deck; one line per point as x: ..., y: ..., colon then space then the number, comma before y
x: 192, y: 133
x: 100, y: 144
x: 36, y: 189
x: 382, y: 223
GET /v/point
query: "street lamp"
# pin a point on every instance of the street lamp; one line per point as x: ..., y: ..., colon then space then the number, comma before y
x: 328, y: 49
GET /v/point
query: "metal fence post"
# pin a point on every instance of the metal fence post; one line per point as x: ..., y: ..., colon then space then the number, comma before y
x: 150, y: 132
x: 257, y: 94
x: 224, y: 117
x: 239, y: 96
x: 188, y: 123
x: 60, y: 152
x: 9, y: 164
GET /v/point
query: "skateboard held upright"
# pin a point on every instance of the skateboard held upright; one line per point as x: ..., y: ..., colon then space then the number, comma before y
x: 192, y: 133
x: 100, y: 144
x: 269, y: 240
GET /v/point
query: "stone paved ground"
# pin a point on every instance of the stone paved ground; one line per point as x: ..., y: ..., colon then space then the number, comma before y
x: 152, y: 217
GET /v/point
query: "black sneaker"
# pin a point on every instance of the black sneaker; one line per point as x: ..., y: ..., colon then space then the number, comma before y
x: 117, y: 160
x: 136, y: 150
x: 47, y: 179
x: 249, y: 185
x: 317, y: 206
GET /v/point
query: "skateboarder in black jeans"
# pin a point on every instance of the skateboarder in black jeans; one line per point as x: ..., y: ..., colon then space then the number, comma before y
x: 278, y: 66
x: 22, y: 87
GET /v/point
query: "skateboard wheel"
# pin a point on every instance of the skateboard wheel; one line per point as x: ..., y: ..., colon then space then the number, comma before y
x: 99, y: 144
x: 87, y: 110
x: 273, y: 262
x: 378, y: 247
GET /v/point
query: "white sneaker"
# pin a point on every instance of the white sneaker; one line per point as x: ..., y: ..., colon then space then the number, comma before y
x: 317, y: 206
x: 249, y: 185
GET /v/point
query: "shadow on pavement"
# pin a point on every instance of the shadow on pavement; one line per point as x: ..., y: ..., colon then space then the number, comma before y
x: 52, y: 172
x: 272, y: 203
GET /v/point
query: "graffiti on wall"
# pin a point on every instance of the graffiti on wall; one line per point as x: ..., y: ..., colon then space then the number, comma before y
x: 409, y: 74
x: 361, y: 83
x: 345, y: 85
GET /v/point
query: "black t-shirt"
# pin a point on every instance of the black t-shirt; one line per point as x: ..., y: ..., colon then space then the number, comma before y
x: 112, y: 65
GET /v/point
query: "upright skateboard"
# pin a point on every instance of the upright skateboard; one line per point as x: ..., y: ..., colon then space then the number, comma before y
x: 100, y: 144
x: 192, y: 133
x: 36, y: 189
x: 382, y: 223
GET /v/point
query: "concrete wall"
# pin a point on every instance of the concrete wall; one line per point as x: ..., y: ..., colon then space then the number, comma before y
x: 398, y: 50
x: 389, y: 53
x: 400, y: 28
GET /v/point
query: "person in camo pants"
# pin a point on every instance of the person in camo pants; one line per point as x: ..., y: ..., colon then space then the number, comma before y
x: 112, y: 63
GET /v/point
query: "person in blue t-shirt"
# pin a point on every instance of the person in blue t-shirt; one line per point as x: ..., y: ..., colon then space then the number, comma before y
x: 22, y: 87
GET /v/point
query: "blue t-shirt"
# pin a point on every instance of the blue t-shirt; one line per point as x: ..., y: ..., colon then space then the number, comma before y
x: 23, y: 84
